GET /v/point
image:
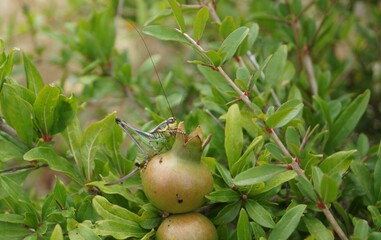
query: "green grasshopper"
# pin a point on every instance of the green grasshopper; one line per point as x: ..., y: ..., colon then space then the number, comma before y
x: 158, y: 134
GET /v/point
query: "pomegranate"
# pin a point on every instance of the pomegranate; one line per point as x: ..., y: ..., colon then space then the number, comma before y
x: 177, y: 181
x: 188, y: 226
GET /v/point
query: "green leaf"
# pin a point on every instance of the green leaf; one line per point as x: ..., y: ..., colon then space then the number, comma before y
x: 376, y: 216
x: 225, y: 174
x: 199, y: 24
x: 363, y: 145
x: 57, y: 233
x: 227, y: 26
x: 317, y: 176
x: 178, y: 14
x: 259, y: 214
x: 236, y: 168
x: 233, y: 135
x: 288, y: 223
x: 165, y: 33
x: 306, y: 188
x: 6, y: 67
x: 347, y: 121
x: 33, y: 78
x: 11, y: 218
x: 328, y: 189
x: 55, y: 162
x: 118, y: 229
x: 361, y: 229
x: 377, y: 176
x: 117, y: 189
x: 14, y: 231
x: 17, y: 201
x: 247, y: 44
x: 72, y: 136
x: 215, y: 79
x: 110, y: 211
x: 337, y: 163
x: 223, y: 195
x: 227, y: 214
x: 44, y: 106
x: 275, y: 151
x: 60, y: 193
x: 230, y: 45
x: 18, y: 113
x: 257, y: 174
x: 93, y: 138
x: 9, y: 151
x: 273, y: 182
x: 287, y: 112
x: 317, y: 229
x: 292, y: 140
x: 243, y: 226
x: 214, y: 57
x: 81, y: 231
x: 364, y: 179
x: 276, y: 66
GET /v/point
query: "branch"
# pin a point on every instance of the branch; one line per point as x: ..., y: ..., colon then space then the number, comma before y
x: 7, y: 129
x: 15, y: 169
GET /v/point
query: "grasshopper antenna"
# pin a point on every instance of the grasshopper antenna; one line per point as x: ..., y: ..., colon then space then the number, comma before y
x: 154, y: 66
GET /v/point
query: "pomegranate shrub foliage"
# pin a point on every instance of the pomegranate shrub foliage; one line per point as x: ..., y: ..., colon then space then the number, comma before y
x: 287, y: 90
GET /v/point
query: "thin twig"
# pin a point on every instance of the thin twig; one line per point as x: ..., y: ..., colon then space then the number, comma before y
x: 215, y: 118
x: 7, y: 129
x: 15, y: 169
x: 307, y: 62
x: 305, y: 139
x: 334, y: 223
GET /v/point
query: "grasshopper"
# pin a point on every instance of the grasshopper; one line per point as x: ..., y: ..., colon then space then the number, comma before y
x: 158, y: 134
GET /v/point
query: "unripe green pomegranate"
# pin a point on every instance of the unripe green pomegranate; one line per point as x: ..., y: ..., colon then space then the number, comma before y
x: 177, y: 181
x: 188, y: 226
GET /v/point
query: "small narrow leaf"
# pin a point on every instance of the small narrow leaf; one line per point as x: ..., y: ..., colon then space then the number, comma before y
x: 230, y: 45
x: 287, y: 112
x: 276, y: 66
x: 225, y: 174
x: 227, y: 26
x: 110, y: 211
x: 338, y: 162
x: 57, y: 233
x: 202, y: 17
x: 93, y: 138
x: 288, y: 223
x: 361, y: 230
x: 227, y: 214
x: 18, y: 113
x: 223, y: 195
x: 328, y: 189
x: 273, y: 182
x: 44, y: 106
x: 119, y: 230
x: 165, y: 33
x: 56, y: 162
x: 259, y: 214
x: 317, y: 229
x: 233, y: 135
x: 178, y: 14
x: 243, y: 226
x: 306, y: 188
x: 347, y: 120
x: 257, y: 174
x: 33, y: 78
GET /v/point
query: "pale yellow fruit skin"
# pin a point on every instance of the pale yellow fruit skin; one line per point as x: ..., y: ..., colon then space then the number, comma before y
x: 176, y: 186
x: 188, y: 226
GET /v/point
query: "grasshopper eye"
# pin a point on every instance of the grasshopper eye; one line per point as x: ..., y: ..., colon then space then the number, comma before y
x: 171, y: 120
